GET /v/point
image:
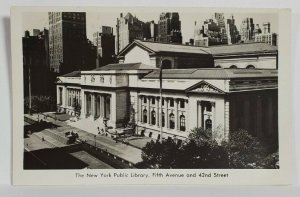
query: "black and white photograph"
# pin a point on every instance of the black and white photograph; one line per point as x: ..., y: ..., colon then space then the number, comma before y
x: 160, y: 90
x: 149, y: 90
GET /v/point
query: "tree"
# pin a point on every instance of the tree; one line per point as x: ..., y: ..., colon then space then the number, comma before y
x: 200, y: 151
x: 207, y: 152
x: 159, y: 154
x: 244, y: 150
x: 203, y: 151
x: 40, y: 104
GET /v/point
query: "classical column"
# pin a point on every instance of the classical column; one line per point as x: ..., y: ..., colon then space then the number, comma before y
x: 93, y: 104
x: 104, y: 106
x: 148, y: 110
x: 86, y: 103
x: 101, y: 106
x: 82, y: 112
x: 187, y: 115
x: 199, y: 118
x: 167, y: 113
x: 140, y: 109
x: 98, y: 105
x: 176, y: 114
x: 213, y: 118
x: 157, y: 117
x: 226, y: 120
x: 108, y: 110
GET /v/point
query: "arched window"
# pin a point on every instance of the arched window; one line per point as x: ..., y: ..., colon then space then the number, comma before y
x: 218, y: 66
x: 208, y: 124
x: 172, y: 121
x: 163, y: 119
x: 250, y: 67
x: 233, y: 66
x: 145, y: 116
x: 182, y: 123
x: 166, y: 64
x: 153, y: 118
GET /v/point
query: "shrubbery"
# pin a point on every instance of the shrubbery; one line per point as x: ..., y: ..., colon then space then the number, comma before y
x: 40, y: 104
x: 202, y: 151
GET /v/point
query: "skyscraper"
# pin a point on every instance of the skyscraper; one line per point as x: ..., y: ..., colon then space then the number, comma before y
x: 266, y: 36
x: 104, y: 40
x: 169, y: 28
x: 36, y: 71
x: 247, y: 29
x: 233, y: 35
x: 67, y: 41
x: 128, y: 28
x: 219, y: 17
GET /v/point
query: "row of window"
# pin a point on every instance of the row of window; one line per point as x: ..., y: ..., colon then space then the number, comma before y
x: 171, y: 102
x: 234, y: 67
x: 152, y: 120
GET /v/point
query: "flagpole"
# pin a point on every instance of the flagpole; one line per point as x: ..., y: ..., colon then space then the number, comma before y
x: 160, y: 99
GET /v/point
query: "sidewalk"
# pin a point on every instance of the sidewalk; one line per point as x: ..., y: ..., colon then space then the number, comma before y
x: 126, y: 152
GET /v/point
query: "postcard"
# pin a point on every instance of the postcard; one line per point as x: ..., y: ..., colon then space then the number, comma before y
x: 151, y: 95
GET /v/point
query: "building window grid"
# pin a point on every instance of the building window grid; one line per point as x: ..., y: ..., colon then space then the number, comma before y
x: 171, y: 122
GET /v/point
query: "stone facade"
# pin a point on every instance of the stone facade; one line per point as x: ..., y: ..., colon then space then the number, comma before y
x: 218, y: 100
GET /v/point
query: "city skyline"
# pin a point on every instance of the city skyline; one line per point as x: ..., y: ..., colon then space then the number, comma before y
x: 39, y: 20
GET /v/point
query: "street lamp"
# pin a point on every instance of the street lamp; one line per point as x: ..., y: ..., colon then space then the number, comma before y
x: 95, y: 141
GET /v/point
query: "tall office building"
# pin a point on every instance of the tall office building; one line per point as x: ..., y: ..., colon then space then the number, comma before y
x: 233, y: 35
x: 220, y: 20
x: 247, y: 30
x: 207, y: 34
x: 216, y: 31
x: 36, y: 71
x: 169, y: 28
x: 128, y: 29
x: 266, y: 35
x: 150, y: 31
x: 104, y: 40
x: 67, y: 41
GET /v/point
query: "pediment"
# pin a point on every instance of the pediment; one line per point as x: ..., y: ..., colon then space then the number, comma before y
x: 59, y: 80
x: 131, y: 46
x: 204, y: 87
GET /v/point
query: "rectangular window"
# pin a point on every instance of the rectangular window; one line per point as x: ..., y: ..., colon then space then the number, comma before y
x: 145, y: 100
x: 171, y: 102
x: 163, y: 102
x: 153, y: 100
x: 182, y: 104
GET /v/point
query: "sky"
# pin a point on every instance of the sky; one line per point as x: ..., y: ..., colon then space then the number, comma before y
x: 39, y: 20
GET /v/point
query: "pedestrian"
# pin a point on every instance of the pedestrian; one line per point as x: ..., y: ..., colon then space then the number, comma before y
x: 43, y: 139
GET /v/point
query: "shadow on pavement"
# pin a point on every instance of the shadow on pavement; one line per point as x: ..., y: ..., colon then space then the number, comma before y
x: 39, y: 126
x: 51, y: 159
